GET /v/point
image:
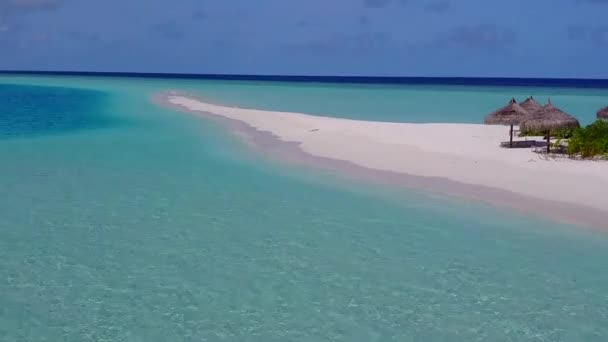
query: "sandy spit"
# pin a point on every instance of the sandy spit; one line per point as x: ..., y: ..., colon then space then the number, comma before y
x: 454, y: 159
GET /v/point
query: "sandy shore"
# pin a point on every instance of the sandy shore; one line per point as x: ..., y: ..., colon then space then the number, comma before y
x: 459, y: 159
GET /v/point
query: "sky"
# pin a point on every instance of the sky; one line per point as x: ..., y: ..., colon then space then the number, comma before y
x: 471, y: 38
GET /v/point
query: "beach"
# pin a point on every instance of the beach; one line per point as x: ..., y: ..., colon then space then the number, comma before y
x: 457, y: 159
x: 272, y: 225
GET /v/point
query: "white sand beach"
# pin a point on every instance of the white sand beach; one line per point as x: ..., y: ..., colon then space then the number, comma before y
x: 464, y: 153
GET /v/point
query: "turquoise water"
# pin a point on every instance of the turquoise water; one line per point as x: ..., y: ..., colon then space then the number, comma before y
x: 399, y: 103
x: 136, y: 223
x: 33, y: 110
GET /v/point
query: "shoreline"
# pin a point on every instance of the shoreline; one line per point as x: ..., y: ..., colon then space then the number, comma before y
x: 368, y: 151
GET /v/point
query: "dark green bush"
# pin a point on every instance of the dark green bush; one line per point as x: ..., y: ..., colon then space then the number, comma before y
x: 591, y: 141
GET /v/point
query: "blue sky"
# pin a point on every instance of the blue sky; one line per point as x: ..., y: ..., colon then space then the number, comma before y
x: 517, y: 38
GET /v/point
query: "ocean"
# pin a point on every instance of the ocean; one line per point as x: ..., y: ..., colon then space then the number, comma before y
x: 121, y: 220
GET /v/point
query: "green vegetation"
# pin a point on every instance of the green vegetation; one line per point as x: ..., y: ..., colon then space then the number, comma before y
x: 591, y: 141
x: 564, y: 133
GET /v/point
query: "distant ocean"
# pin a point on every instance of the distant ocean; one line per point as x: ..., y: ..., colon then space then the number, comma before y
x: 121, y: 220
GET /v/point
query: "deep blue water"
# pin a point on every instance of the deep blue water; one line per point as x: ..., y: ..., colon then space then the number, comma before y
x: 37, y: 110
x: 466, y: 81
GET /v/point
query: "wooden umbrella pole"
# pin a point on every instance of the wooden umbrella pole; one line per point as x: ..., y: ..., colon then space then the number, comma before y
x: 548, y: 141
x: 511, y: 140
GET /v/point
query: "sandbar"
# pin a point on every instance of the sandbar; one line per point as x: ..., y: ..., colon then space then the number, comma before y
x: 455, y: 159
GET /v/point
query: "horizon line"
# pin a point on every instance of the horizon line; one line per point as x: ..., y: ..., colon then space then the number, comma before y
x: 447, y: 80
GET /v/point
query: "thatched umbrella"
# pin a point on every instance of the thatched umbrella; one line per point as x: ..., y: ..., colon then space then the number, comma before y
x: 531, y: 105
x: 603, y: 113
x: 547, y: 119
x: 511, y: 114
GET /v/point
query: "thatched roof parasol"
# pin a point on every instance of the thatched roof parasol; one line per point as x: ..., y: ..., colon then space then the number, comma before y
x: 531, y: 105
x: 603, y: 113
x: 549, y: 118
x: 511, y: 114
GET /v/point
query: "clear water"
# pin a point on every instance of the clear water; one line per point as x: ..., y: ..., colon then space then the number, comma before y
x: 136, y: 223
x: 397, y: 103
x: 32, y: 110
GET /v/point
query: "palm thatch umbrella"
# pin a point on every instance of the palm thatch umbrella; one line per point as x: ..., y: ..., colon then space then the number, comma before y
x: 603, y: 113
x: 511, y: 114
x: 547, y: 119
x: 531, y: 105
